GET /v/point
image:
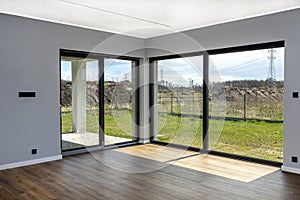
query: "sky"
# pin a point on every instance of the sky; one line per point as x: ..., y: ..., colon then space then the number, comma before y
x: 247, y: 65
x: 115, y: 70
x: 181, y: 71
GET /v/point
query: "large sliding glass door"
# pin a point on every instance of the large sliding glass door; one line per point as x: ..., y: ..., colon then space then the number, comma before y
x: 80, y: 102
x: 238, y: 106
x: 118, y: 100
x: 252, y: 82
x: 178, y: 101
x: 96, y: 95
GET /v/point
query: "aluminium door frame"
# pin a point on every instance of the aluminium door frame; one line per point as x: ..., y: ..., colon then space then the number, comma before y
x: 207, y: 53
x: 100, y: 57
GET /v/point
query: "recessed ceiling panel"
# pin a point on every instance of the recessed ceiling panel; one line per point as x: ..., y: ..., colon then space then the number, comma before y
x: 143, y: 18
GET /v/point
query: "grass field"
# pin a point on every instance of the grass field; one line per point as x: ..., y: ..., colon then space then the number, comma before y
x: 251, y: 138
x: 112, y: 127
x: 248, y: 138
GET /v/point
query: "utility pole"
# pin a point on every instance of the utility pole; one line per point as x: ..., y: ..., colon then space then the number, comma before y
x: 271, y: 71
x: 161, y: 75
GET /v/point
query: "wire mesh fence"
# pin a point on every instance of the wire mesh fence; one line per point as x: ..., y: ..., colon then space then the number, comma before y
x: 257, y: 103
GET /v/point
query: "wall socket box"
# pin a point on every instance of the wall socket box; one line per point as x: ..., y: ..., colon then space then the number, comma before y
x: 27, y: 94
x: 295, y: 95
x: 294, y: 159
x: 33, y: 151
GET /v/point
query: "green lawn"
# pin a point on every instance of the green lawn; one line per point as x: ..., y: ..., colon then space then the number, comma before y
x: 113, y: 127
x: 249, y: 138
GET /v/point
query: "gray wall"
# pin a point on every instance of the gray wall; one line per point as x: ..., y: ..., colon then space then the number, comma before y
x: 29, y: 61
x: 282, y: 26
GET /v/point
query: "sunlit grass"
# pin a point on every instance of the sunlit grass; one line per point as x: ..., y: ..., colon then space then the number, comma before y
x: 248, y: 138
x: 113, y: 127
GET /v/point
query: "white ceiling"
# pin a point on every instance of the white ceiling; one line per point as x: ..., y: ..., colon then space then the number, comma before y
x: 144, y: 18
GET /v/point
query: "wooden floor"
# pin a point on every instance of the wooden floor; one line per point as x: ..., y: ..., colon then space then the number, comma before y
x: 216, y: 165
x: 188, y: 176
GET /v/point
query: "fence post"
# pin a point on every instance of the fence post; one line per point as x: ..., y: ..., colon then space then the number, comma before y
x: 116, y: 100
x: 171, y: 103
x: 193, y: 101
x: 245, y: 106
x: 159, y: 94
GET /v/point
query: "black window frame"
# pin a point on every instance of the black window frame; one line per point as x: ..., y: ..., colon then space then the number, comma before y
x: 100, y: 57
x: 205, y: 133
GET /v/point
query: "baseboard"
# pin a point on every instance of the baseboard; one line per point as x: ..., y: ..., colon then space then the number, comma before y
x: 144, y: 141
x: 30, y: 162
x: 290, y: 169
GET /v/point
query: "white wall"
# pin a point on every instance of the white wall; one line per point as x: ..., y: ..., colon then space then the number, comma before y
x: 29, y: 61
x: 282, y: 26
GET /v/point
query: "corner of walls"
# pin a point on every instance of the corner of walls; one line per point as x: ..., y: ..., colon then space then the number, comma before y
x: 275, y: 27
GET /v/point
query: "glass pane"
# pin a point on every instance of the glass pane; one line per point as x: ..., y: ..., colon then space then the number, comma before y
x: 66, y: 96
x: 179, y: 99
x: 118, y: 101
x: 252, y: 83
x: 80, y: 102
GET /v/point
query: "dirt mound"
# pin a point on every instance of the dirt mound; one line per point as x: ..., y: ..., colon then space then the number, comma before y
x: 236, y: 93
x: 118, y: 94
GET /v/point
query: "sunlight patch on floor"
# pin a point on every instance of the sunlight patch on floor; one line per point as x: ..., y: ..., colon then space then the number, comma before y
x: 216, y: 165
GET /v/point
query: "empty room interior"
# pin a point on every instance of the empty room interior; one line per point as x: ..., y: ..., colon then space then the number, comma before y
x: 149, y: 99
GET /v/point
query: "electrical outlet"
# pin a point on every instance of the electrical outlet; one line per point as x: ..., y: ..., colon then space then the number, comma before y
x: 295, y: 94
x: 294, y: 159
x: 33, y: 151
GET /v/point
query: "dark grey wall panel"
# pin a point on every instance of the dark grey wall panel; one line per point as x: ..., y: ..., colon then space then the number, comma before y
x: 29, y: 61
